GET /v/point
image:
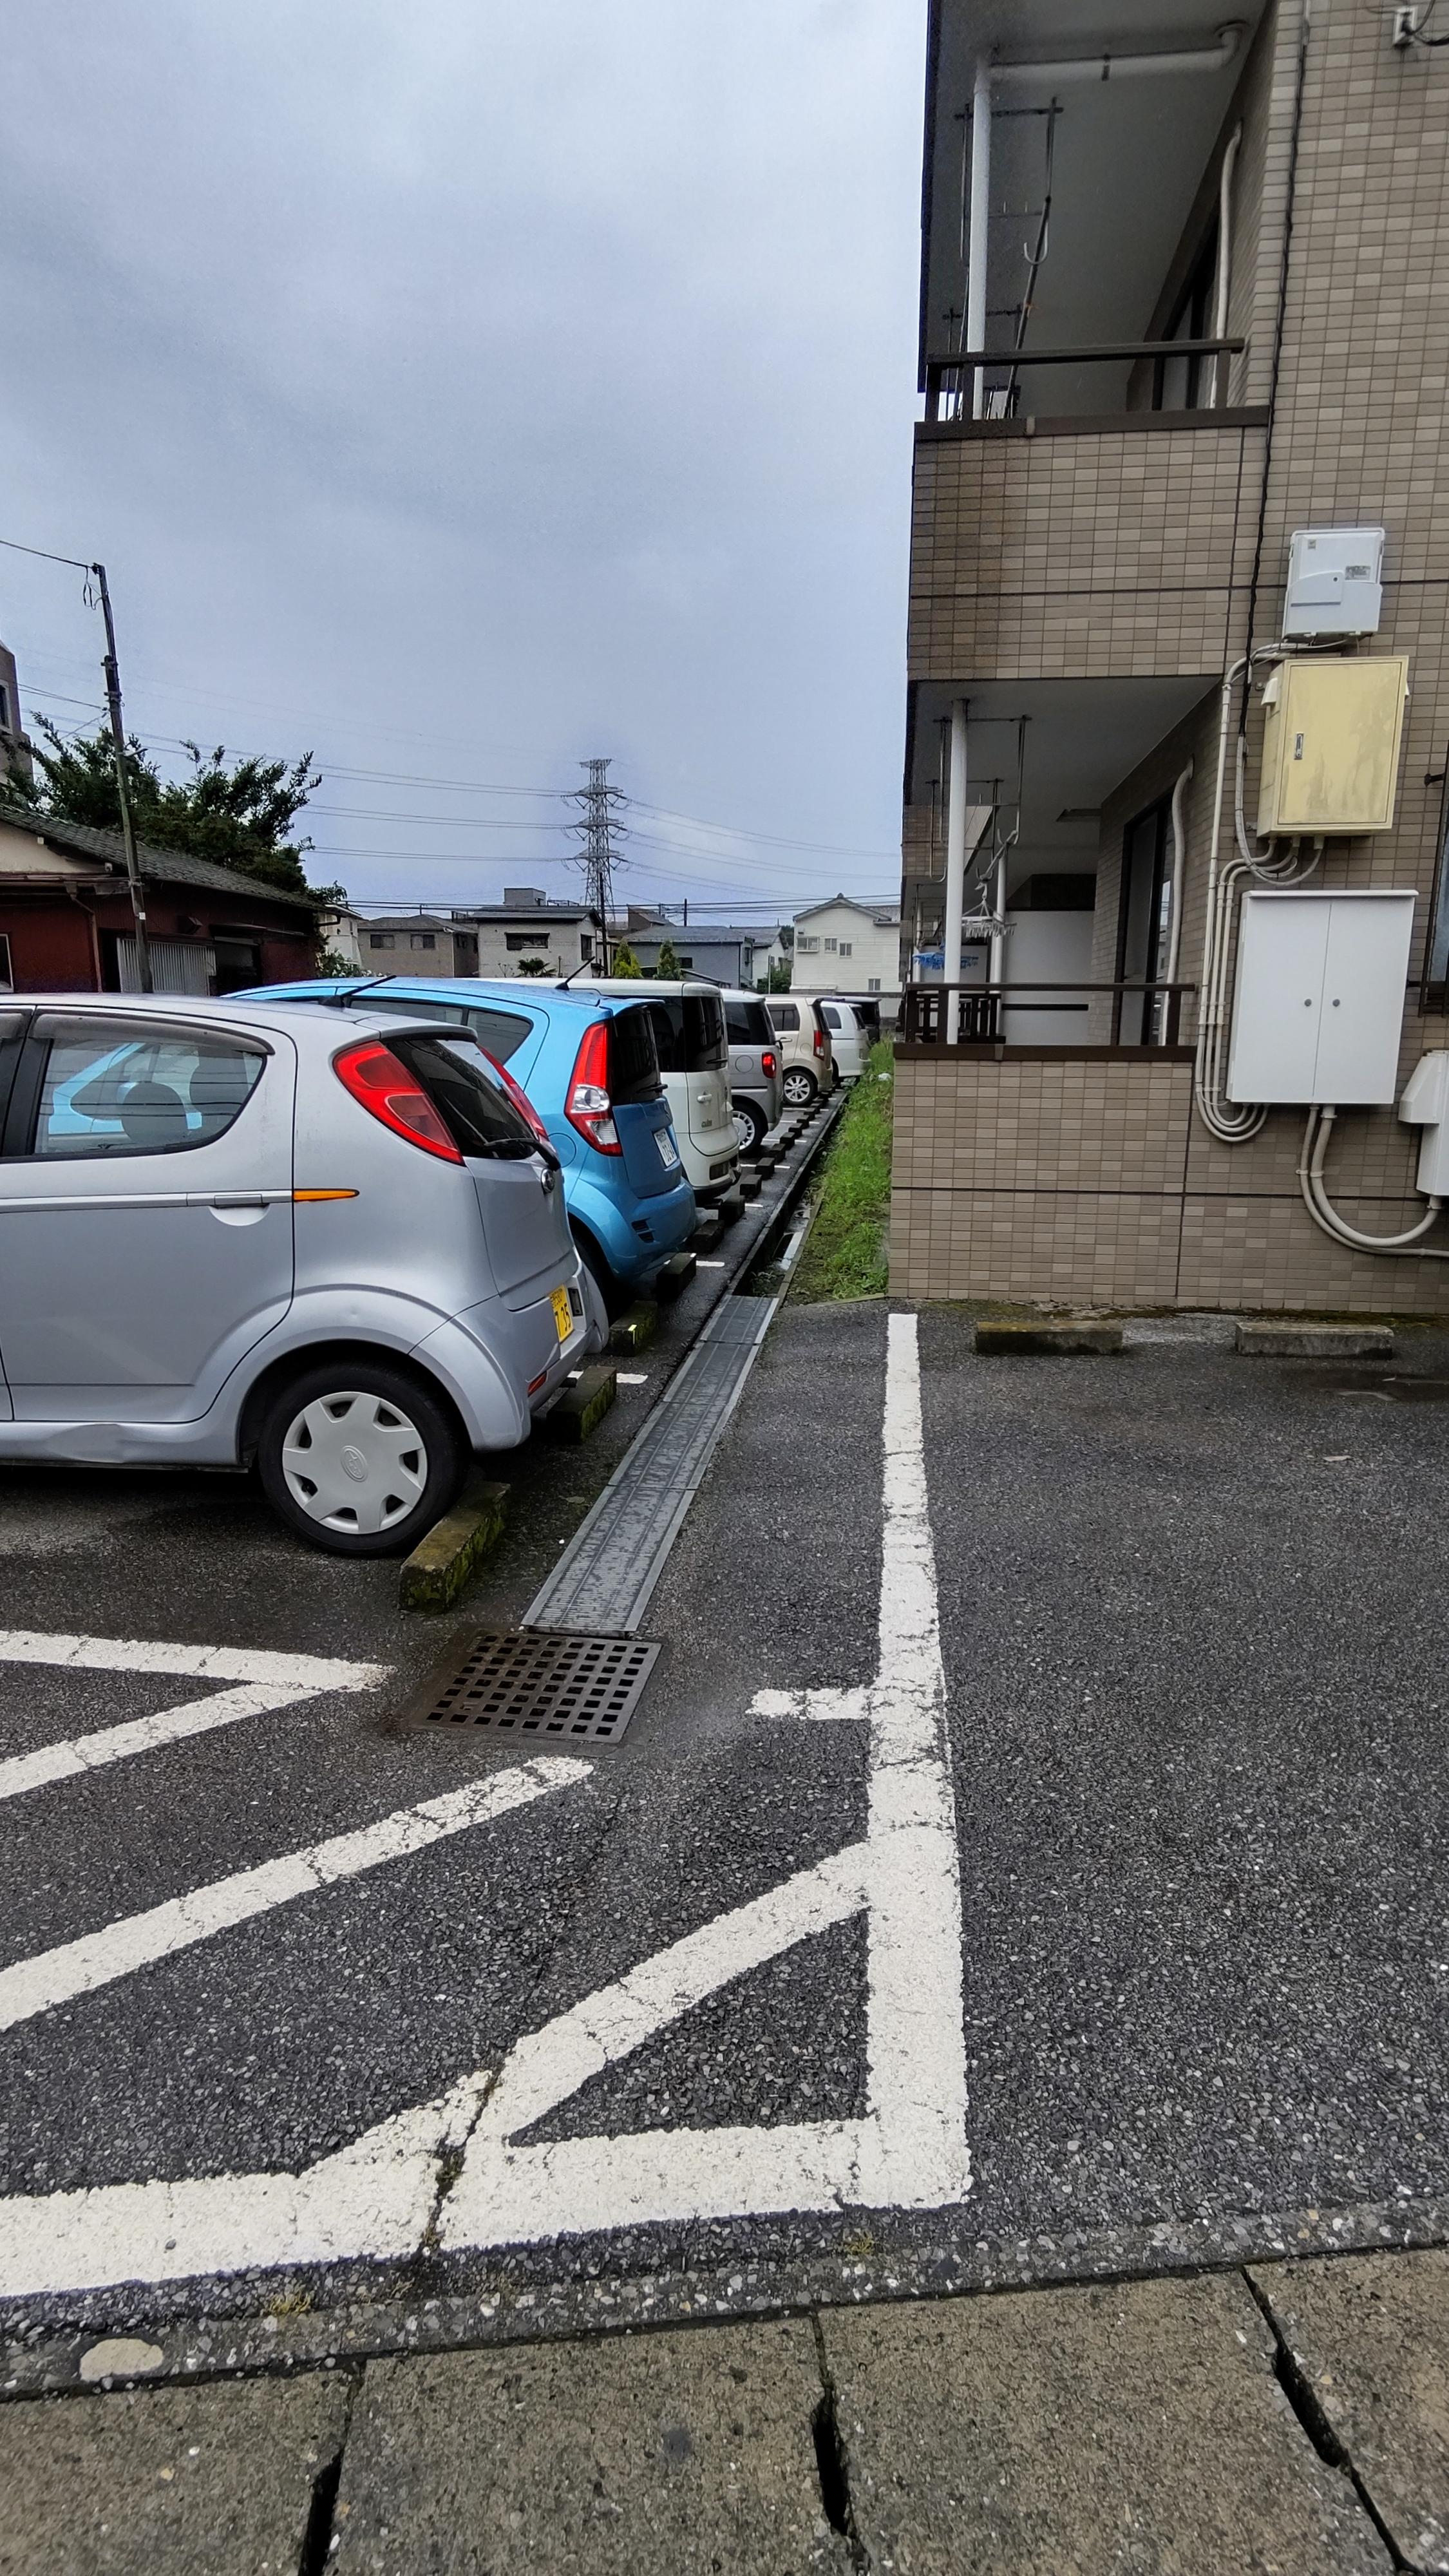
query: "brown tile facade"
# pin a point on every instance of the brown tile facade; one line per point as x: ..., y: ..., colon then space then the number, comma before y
x: 1119, y: 553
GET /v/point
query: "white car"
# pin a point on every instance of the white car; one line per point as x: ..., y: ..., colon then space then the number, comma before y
x: 848, y: 1042
x: 689, y: 1033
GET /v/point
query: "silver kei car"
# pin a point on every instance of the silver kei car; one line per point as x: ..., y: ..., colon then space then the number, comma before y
x: 237, y: 1233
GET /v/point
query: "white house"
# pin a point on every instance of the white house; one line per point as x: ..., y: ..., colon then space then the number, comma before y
x: 842, y: 946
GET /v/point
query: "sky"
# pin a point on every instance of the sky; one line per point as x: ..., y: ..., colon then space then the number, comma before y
x: 462, y: 390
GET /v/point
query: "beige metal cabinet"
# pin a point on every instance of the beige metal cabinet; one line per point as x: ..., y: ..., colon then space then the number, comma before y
x: 1331, y: 737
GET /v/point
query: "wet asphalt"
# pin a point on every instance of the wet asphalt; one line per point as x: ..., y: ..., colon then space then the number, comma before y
x: 1192, y: 1619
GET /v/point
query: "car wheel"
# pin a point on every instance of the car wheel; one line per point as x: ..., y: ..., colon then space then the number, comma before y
x: 750, y: 1129
x: 359, y: 1458
x: 800, y: 1087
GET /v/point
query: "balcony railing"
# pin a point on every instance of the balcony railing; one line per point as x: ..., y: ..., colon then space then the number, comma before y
x: 951, y: 380
x: 1143, y: 1015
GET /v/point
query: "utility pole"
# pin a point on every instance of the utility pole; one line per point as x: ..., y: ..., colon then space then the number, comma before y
x: 118, y: 737
x: 597, y: 832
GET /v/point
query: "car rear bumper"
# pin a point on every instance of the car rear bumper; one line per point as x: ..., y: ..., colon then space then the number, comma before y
x: 637, y: 1240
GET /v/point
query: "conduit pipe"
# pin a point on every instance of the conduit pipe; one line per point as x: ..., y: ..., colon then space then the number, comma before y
x: 1225, y: 252
x: 1316, y: 1137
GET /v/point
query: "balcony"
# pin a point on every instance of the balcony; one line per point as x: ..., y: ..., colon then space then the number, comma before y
x: 1127, y: 1015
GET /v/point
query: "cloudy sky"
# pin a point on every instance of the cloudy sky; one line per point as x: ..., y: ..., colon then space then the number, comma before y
x: 461, y: 389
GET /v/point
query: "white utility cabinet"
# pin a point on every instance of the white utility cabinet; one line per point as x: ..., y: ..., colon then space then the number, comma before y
x: 1335, y: 581
x: 1319, y: 1004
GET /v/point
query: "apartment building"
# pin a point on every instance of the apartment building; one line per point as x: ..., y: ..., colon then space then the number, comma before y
x: 1178, y: 716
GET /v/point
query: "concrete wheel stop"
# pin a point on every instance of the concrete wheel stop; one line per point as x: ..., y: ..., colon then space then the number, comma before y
x: 443, y: 1563
x: 582, y: 1407
x: 1295, y: 1337
x: 1038, y: 1337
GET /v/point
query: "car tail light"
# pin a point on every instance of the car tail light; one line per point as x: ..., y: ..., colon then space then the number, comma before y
x: 767, y: 1061
x: 820, y: 1041
x: 521, y: 1103
x: 589, y: 1107
x: 381, y: 1082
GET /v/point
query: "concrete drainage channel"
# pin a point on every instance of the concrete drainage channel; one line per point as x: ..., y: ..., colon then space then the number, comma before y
x: 573, y: 1670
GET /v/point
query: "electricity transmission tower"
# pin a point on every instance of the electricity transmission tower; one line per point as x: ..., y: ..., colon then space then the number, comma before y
x: 598, y: 832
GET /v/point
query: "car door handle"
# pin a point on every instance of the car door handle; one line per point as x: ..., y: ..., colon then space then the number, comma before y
x: 237, y: 1198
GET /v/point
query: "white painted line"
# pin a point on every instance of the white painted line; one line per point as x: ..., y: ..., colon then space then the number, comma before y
x: 633, y: 1377
x: 212, y: 1663
x: 383, y: 2196
x: 707, y: 1265
x: 264, y: 1683
x: 57, y: 1976
x: 829, y: 1707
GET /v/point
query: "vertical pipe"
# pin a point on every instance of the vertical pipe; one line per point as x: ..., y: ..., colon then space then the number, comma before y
x: 978, y: 235
x: 996, y: 970
x: 955, y: 871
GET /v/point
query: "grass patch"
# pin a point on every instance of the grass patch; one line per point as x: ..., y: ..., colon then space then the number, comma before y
x: 845, y: 1255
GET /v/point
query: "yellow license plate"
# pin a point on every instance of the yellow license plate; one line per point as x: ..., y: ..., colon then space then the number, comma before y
x: 563, y: 1313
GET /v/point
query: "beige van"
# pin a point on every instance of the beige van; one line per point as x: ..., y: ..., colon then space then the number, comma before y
x: 809, y: 1066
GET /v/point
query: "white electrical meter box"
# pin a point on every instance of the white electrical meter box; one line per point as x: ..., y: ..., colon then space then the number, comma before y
x: 1331, y: 737
x: 1319, y: 1003
x: 1426, y: 1104
x: 1335, y: 581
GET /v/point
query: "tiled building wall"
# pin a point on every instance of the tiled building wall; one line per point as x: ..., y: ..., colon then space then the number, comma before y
x: 1081, y: 556
x: 1092, y: 1183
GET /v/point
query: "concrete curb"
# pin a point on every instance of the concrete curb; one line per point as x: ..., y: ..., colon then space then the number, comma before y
x: 634, y: 1331
x: 443, y: 1562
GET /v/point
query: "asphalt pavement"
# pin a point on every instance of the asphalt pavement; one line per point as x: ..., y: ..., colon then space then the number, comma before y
x: 1189, y: 1719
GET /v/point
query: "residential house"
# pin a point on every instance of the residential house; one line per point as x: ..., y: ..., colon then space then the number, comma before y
x: 404, y: 943
x: 1228, y: 331
x: 67, y: 925
x: 843, y: 946
x: 722, y: 952
x: 527, y: 933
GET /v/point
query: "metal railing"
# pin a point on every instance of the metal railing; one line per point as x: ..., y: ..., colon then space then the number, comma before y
x: 1143, y: 1014
x: 950, y: 380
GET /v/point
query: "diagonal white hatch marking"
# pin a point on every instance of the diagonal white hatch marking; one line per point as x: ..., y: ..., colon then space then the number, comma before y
x: 381, y: 2196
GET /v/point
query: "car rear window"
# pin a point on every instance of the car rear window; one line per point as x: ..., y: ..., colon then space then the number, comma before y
x: 499, y: 1033
x: 472, y: 1104
x: 786, y: 1015
x: 633, y: 1058
x: 748, y: 1024
x: 704, y: 1032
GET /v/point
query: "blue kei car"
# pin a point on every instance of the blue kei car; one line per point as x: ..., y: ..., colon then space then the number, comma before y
x: 589, y: 1065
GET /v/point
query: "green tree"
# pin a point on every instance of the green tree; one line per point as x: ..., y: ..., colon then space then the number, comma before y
x: 234, y: 813
x: 533, y: 965
x: 668, y: 969
x: 625, y: 961
x: 779, y: 977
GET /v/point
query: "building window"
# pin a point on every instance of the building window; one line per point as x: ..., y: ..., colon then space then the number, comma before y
x: 687, y: 963
x: 829, y: 947
x: 7, y: 984
x: 381, y: 939
x: 847, y: 948
x: 516, y: 940
x: 424, y: 939
x: 807, y: 946
x: 5, y: 725
x: 872, y: 983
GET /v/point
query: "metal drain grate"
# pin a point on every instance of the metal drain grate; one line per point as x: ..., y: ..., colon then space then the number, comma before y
x: 534, y: 1681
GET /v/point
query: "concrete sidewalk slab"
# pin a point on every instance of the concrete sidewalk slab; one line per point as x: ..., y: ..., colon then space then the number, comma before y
x: 1136, y: 2426
x: 213, y: 2481
x: 648, y: 2457
x: 1370, y: 2337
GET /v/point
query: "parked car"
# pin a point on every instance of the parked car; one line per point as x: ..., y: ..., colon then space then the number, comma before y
x: 848, y: 1042
x: 809, y: 1066
x: 757, y: 1083
x: 866, y: 1007
x: 590, y: 1069
x: 235, y: 1233
x: 689, y: 1032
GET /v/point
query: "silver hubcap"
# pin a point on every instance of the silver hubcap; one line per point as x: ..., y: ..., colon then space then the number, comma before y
x: 744, y: 1131
x: 354, y: 1462
x: 797, y: 1088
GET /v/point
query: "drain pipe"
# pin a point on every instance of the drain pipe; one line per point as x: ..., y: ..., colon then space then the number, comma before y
x: 1179, y: 874
x: 1103, y: 67
x: 1225, y: 255
x: 978, y: 238
x: 955, y: 872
